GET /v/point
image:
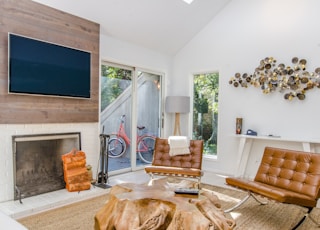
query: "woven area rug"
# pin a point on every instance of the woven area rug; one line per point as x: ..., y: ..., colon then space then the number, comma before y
x: 250, y: 215
x: 253, y: 216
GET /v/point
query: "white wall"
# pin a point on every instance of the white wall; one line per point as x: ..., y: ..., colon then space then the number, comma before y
x: 245, y: 32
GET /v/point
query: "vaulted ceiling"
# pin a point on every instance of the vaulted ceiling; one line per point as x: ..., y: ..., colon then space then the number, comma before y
x: 164, y: 26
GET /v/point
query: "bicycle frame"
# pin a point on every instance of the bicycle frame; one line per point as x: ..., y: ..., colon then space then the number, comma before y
x: 122, y: 134
x: 119, y: 142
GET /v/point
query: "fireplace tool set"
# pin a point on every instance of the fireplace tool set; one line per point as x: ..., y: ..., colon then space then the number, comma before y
x: 102, y: 176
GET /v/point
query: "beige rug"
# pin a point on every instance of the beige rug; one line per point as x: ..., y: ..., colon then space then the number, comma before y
x: 251, y: 215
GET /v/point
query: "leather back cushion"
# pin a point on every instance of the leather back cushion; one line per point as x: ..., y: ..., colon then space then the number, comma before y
x: 292, y: 170
x: 161, y: 155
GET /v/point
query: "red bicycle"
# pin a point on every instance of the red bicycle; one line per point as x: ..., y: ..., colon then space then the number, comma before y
x: 118, y: 142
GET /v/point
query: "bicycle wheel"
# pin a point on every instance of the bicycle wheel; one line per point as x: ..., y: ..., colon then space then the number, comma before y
x: 116, y: 147
x: 146, y: 148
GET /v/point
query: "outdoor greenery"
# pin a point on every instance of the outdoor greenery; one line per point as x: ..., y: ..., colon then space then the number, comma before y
x: 205, y: 111
x: 113, y: 82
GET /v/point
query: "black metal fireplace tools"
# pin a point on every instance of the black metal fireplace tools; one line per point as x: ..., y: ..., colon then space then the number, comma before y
x: 102, y: 175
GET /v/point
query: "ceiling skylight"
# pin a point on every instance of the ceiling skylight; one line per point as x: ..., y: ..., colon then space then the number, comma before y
x: 188, y: 1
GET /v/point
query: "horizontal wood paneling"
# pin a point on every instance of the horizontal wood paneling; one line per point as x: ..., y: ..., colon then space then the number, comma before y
x: 35, y: 20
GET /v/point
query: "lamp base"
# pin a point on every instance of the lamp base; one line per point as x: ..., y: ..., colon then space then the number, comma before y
x: 177, y: 131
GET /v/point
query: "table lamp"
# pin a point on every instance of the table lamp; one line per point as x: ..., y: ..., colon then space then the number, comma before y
x: 177, y: 105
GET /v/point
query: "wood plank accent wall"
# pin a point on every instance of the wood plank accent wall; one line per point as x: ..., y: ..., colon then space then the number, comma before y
x: 38, y: 21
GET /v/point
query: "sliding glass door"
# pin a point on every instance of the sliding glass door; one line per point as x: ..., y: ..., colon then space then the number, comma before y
x: 130, y: 114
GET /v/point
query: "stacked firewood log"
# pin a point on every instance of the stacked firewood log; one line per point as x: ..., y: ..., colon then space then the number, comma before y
x: 75, y: 171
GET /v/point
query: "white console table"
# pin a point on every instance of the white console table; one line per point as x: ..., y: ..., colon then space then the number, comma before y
x: 247, y: 140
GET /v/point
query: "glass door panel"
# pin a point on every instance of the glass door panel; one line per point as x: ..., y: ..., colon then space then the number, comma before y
x: 148, y: 115
x: 115, y: 114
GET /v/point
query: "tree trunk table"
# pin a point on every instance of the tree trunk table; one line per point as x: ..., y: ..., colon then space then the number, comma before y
x: 156, y: 207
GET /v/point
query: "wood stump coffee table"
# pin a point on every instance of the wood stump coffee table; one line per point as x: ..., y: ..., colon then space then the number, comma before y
x: 142, y: 207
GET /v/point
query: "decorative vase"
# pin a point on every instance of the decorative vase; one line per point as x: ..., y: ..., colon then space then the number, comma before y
x: 238, y: 125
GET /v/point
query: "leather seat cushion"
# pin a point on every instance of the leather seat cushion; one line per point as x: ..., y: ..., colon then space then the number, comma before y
x: 174, y: 170
x: 272, y: 192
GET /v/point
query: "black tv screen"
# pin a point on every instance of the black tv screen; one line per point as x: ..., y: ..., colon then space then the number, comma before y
x: 42, y: 68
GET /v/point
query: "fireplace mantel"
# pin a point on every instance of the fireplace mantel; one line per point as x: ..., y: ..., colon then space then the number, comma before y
x: 51, y: 136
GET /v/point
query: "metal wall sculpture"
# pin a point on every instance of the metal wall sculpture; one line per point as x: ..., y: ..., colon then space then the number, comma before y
x: 294, y: 81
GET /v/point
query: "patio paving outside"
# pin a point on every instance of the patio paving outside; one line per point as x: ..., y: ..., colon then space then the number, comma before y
x: 121, y: 163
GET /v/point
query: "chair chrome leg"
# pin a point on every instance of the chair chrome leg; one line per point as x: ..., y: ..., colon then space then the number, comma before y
x: 150, y: 183
x: 199, y: 183
x: 258, y: 200
x: 244, y: 200
x: 307, y: 215
x: 238, y: 204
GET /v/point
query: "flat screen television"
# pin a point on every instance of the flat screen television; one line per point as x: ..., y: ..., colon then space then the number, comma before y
x: 37, y: 67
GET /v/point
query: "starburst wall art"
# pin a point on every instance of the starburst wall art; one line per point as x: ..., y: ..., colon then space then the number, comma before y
x: 294, y: 81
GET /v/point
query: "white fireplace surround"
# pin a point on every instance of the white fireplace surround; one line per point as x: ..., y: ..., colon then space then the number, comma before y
x: 89, y: 144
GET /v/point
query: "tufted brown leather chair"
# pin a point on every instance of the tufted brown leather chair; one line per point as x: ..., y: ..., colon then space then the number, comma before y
x: 286, y: 176
x: 188, y: 165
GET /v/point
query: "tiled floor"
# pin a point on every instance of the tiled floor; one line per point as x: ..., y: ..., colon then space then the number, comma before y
x: 40, y: 203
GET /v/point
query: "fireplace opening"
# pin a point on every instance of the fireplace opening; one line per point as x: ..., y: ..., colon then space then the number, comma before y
x: 37, y: 162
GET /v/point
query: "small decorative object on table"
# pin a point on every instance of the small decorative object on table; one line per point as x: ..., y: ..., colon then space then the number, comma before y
x: 190, y: 191
x: 251, y: 132
x: 238, y: 125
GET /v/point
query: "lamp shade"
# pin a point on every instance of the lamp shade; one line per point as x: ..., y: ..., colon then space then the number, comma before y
x: 177, y: 104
